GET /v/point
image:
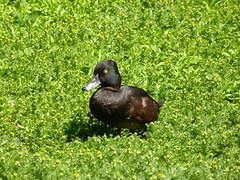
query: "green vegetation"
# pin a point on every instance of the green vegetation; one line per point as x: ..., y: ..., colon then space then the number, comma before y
x: 183, y: 52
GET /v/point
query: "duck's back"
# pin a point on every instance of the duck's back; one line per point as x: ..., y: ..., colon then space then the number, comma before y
x: 126, y: 107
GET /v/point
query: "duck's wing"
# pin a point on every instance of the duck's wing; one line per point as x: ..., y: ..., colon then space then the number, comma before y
x: 142, y: 107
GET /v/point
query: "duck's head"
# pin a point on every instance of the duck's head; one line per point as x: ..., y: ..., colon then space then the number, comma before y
x: 106, y: 74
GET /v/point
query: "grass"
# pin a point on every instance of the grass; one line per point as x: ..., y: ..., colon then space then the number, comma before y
x: 183, y: 52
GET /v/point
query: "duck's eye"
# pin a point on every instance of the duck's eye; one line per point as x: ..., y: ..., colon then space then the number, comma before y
x: 105, y: 71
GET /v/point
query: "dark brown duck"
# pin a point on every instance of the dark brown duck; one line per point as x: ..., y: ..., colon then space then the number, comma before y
x: 117, y: 105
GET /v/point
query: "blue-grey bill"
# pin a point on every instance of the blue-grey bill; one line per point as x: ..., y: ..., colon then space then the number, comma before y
x: 94, y: 82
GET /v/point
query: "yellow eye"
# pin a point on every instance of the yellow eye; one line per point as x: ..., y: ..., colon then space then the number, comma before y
x: 105, y: 71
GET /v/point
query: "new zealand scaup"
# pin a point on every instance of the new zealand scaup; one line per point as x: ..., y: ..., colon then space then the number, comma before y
x: 117, y: 105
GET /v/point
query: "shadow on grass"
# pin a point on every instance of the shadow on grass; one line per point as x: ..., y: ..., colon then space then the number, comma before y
x: 82, y: 128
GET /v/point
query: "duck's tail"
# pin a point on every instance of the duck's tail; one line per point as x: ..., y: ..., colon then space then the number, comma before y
x: 160, y: 103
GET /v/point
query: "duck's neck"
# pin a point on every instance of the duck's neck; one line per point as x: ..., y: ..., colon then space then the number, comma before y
x: 116, y: 81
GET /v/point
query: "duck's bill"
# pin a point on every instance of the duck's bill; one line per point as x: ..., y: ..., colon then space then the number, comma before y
x: 94, y: 82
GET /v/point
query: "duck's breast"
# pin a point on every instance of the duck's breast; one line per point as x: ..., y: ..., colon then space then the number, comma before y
x: 109, y: 105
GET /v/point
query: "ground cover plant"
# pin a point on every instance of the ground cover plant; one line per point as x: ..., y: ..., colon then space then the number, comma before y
x: 183, y: 52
